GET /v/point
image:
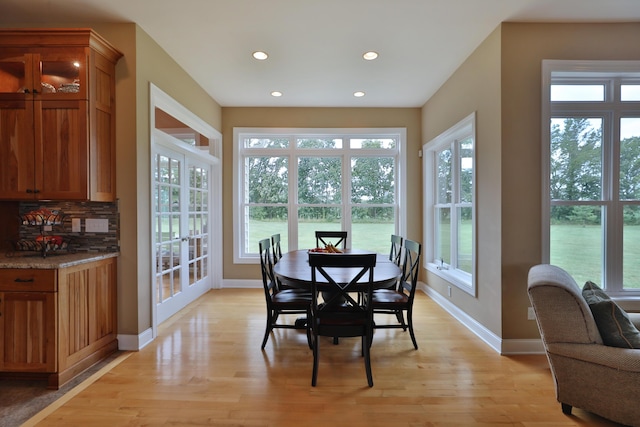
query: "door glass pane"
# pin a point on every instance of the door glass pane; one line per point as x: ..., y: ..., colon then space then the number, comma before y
x: 60, y: 76
x: 12, y: 74
x: 576, y: 159
x: 576, y: 241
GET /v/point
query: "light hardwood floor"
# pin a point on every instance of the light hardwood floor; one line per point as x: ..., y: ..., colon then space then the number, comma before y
x: 206, y: 368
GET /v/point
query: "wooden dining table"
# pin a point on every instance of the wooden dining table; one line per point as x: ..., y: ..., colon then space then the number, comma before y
x: 293, y: 270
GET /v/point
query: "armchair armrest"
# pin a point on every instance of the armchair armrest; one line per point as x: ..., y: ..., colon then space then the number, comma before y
x: 622, y: 359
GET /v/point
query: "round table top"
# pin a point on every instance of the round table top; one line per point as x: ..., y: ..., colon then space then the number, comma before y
x: 293, y: 269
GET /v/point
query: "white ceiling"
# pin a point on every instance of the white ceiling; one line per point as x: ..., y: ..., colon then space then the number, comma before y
x: 316, y: 46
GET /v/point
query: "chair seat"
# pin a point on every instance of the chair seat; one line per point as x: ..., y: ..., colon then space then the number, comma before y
x: 291, y: 297
x: 388, y: 296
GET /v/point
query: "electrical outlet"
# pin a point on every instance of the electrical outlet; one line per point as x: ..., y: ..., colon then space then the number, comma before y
x: 531, y: 315
x: 76, y: 225
x: 96, y: 225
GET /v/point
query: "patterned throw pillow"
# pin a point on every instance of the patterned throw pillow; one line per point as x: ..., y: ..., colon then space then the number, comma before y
x: 613, y: 322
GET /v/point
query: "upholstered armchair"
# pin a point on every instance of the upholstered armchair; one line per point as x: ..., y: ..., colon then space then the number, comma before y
x: 597, y: 378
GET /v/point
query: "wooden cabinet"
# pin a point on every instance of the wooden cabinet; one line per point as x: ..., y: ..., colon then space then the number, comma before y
x: 55, y: 323
x: 28, y: 320
x: 57, y: 115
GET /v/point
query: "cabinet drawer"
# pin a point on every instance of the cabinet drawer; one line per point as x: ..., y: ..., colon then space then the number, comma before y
x: 28, y: 279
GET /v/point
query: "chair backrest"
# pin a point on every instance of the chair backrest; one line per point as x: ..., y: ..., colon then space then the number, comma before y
x: 562, y: 313
x: 342, y: 276
x: 275, y: 246
x: 410, y: 267
x: 322, y: 238
x: 395, y: 255
x: 266, y: 266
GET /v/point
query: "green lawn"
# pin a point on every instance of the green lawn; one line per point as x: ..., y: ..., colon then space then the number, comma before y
x: 578, y: 249
x: 372, y: 236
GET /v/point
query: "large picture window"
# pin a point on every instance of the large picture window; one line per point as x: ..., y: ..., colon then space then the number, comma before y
x: 296, y: 181
x: 449, y: 195
x: 591, y: 155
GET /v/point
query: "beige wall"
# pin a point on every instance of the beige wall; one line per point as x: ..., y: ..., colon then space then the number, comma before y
x: 475, y: 87
x: 524, y: 46
x: 408, y: 118
x: 146, y: 63
x: 501, y: 81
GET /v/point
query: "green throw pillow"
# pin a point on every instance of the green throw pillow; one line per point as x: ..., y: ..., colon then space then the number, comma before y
x: 614, y: 324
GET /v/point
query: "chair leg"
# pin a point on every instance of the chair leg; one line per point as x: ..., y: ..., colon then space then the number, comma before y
x: 316, y: 355
x: 367, y: 359
x: 566, y: 409
x: 308, y: 327
x: 400, y: 318
x: 267, y: 330
x: 410, y: 323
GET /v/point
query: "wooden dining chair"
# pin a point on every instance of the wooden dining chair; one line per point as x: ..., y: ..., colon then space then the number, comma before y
x: 400, y: 300
x: 395, y: 255
x: 280, y: 301
x: 275, y: 247
x: 322, y: 239
x: 340, y: 314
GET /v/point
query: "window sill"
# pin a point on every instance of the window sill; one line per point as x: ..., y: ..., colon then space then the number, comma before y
x: 458, y: 279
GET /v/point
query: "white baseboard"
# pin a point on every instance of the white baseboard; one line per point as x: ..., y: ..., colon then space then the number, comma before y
x: 135, y: 342
x: 241, y: 283
x: 501, y: 346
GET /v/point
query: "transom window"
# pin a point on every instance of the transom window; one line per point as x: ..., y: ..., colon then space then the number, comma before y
x: 591, y: 156
x: 296, y: 181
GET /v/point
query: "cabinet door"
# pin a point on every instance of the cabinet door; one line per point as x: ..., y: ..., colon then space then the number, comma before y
x: 17, y: 150
x: 61, y: 153
x: 28, y: 326
x: 88, y: 314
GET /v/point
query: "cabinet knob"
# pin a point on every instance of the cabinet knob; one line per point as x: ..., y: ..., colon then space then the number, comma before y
x: 19, y: 280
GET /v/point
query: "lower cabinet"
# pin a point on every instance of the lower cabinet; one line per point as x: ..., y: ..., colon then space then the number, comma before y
x: 55, y: 323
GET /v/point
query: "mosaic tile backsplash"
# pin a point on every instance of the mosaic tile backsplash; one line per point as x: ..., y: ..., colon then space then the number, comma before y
x: 82, y: 241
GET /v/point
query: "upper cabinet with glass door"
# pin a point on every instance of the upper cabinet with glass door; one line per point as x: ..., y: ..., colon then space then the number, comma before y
x: 48, y: 74
x: 57, y: 115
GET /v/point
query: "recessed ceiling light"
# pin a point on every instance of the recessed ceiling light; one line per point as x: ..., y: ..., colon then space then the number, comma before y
x: 358, y: 94
x: 276, y: 93
x: 260, y: 56
x: 370, y: 56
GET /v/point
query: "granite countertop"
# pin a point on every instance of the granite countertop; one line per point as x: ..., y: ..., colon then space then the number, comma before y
x: 52, y: 260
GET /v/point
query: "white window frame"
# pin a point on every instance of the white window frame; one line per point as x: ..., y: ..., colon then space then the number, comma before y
x: 240, y: 256
x: 464, y: 129
x: 610, y: 110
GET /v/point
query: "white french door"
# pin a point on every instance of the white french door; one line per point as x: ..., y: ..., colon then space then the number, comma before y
x: 182, y: 199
